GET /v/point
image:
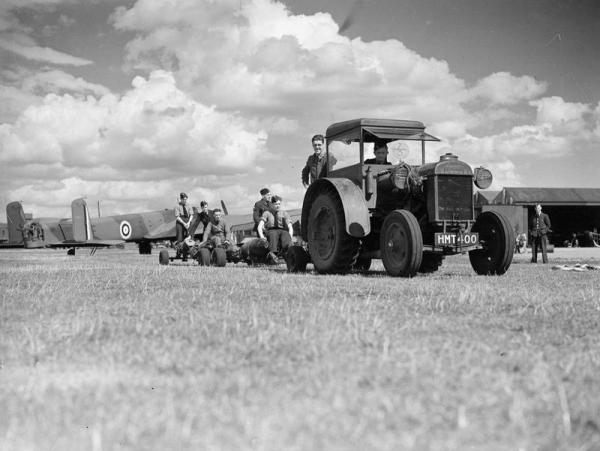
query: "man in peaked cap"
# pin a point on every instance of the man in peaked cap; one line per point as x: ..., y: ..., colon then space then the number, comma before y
x: 264, y: 204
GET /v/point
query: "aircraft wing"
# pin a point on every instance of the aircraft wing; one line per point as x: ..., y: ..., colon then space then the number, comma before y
x: 88, y: 243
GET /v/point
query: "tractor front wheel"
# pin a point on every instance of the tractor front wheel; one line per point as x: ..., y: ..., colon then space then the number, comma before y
x: 497, y: 237
x: 401, y: 244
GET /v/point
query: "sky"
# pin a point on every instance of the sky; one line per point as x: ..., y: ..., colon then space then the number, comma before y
x: 129, y: 102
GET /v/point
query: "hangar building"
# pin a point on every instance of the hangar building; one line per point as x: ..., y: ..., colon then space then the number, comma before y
x: 571, y: 210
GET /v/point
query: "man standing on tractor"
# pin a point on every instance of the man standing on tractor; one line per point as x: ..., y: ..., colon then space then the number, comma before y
x: 279, y: 231
x: 317, y: 164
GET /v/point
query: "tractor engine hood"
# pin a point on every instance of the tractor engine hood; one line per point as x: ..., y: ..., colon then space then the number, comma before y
x: 449, y: 164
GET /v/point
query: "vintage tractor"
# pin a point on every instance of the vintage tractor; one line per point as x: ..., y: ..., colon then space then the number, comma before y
x: 409, y: 216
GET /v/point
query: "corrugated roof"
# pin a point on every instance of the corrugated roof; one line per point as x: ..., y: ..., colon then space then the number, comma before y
x: 548, y: 196
x: 483, y: 197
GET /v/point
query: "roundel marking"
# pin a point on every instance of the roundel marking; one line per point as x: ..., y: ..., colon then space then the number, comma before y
x: 125, y: 230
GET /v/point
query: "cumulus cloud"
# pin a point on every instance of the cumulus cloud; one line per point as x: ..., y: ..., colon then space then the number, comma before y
x: 503, y: 88
x: 562, y: 117
x: 153, y: 132
x: 230, y: 93
x: 560, y: 130
x: 261, y: 58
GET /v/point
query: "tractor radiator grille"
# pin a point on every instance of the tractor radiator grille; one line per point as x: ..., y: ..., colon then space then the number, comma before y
x: 455, y: 198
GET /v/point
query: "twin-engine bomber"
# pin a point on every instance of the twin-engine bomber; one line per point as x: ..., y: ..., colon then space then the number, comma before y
x: 409, y: 216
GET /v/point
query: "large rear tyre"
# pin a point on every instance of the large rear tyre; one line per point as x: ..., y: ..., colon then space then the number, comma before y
x: 218, y: 257
x: 163, y: 257
x: 498, y: 239
x: 296, y: 259
x: 401, y: 244
x: 331, y: 248
x: 204, y: 257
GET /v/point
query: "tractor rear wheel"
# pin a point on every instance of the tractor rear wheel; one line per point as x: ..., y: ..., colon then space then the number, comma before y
x: 218, y: 257
x: 401, y: 244
x: 296, y: 259
x: 163, y: 257
x: 331, y: 248
x: 498, y: 239
x: 204, y: 257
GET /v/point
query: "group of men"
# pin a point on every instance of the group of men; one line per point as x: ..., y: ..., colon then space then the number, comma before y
x: 214, y: 229
x: 271, y: 223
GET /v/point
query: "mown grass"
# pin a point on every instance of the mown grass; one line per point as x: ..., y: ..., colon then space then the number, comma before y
x: 116, y: 352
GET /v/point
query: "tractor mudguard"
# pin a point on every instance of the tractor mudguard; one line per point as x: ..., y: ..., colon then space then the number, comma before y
x: 356, y: 212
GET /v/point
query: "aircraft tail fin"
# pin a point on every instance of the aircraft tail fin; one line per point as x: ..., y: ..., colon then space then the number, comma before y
x: 82, y: 226
x: 16, y: 221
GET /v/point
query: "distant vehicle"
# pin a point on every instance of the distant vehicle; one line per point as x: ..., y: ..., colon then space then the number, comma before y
x: 408, y: 216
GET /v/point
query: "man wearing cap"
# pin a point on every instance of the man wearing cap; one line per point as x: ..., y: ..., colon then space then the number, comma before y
x: 540, y: 226
x: 264, y: 204
x: 278, y: 226
x: 183, y: 219
x: 317, y: 165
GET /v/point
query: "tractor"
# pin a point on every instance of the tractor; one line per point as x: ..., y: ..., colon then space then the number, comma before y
x: 409, y: 216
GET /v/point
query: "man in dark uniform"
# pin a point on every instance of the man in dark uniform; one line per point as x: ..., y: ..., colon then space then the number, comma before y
x: 316, y: 165
x: 183, y: 219
x: 264, y: 204
x: 204, y: 217
x: 540, y: 226
x: 279, y: 230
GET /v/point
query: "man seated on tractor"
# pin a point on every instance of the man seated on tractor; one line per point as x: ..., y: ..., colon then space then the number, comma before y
x: 217, y: 232
x: 279, y: 231
x: 380, y: 149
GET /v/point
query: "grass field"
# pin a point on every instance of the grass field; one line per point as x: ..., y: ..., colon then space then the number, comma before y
x: 114, y: 351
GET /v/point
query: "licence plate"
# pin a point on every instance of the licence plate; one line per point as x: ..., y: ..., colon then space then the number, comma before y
x: 456, y: 239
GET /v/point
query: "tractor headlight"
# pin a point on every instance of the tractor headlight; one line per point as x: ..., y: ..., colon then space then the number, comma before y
x: 482, y: 177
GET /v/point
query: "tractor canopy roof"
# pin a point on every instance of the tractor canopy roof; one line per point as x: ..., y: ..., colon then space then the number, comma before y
x: 387, y: 129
